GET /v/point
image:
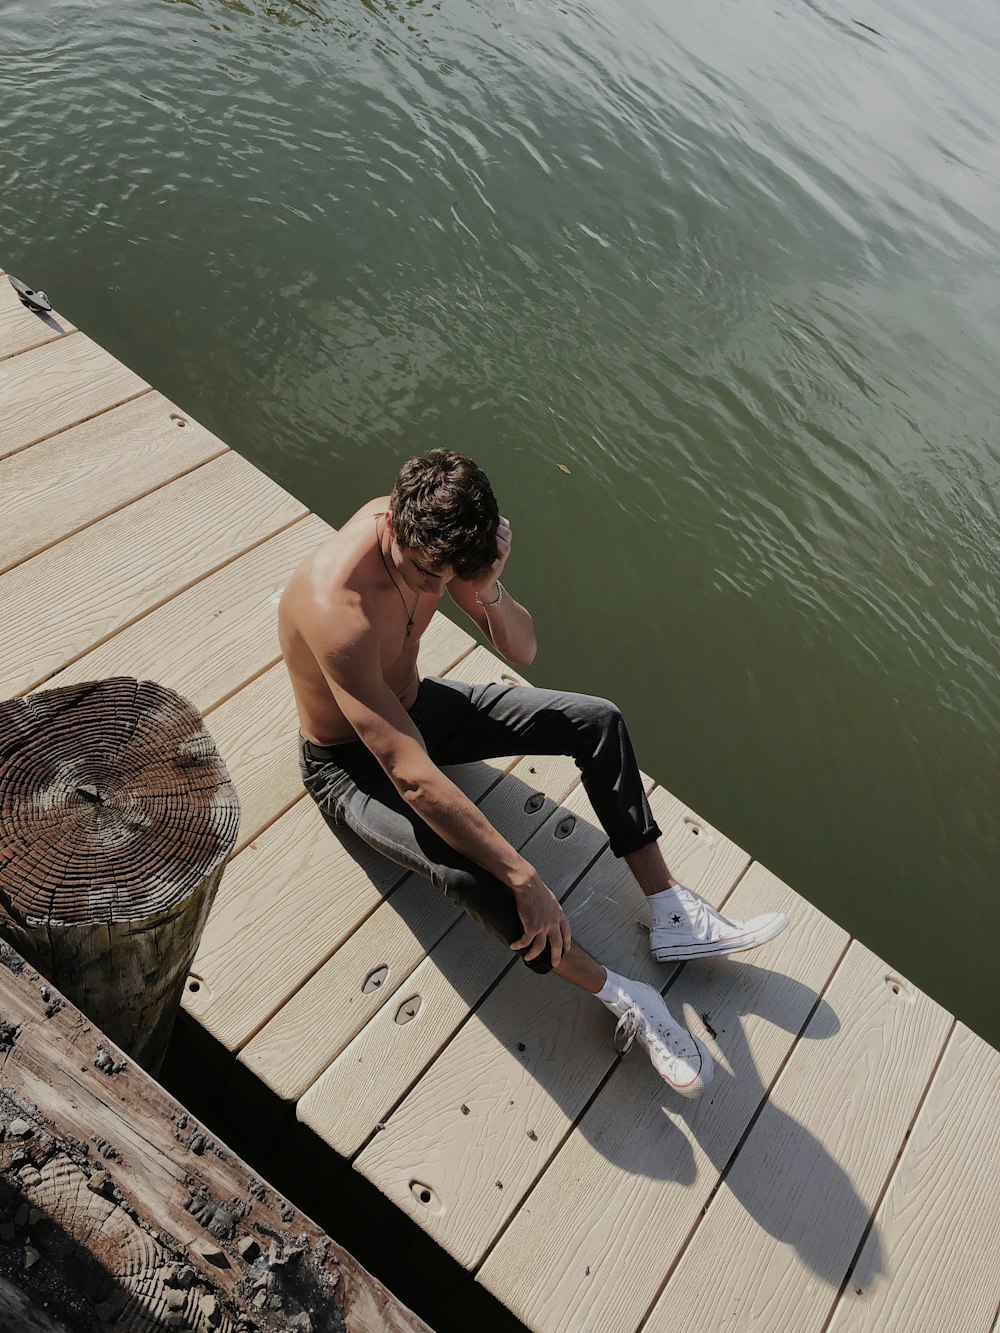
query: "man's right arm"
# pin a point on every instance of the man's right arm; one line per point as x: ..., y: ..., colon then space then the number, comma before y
x: 353, y: 670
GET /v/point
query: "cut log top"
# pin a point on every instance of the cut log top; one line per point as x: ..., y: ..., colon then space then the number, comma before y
x: 114, y: 803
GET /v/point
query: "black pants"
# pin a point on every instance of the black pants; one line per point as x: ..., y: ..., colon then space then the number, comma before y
x: 461, y: 724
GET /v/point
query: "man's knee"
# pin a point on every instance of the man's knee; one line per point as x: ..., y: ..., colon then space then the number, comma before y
x: 542, y: 964
x: 492, y: 907
x: 598, y: 718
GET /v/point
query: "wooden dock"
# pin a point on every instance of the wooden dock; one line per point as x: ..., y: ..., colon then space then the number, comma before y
x: 842, y: 1170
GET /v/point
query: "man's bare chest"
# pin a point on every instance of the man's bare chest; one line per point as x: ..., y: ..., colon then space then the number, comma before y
x: 400, y: 635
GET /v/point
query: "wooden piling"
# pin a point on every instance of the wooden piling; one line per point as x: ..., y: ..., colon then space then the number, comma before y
x: 116, y: 818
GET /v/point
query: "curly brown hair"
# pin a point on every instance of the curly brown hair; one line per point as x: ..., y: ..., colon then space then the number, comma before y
x: 443, y: 506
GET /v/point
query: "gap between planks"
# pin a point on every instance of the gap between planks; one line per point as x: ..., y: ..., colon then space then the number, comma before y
x: 833, y: 1124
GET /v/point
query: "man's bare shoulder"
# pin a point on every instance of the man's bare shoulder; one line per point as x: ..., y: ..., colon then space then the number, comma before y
x: 329, y: 598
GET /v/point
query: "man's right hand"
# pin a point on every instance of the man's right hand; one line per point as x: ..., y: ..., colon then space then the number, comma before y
x: 543, y: 919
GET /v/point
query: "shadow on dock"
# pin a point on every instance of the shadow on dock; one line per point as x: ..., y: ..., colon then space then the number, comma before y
x: 263, y: 1130
x: 806, y: 1194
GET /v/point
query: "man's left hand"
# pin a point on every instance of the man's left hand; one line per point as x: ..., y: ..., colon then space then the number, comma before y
x: 484, y: 586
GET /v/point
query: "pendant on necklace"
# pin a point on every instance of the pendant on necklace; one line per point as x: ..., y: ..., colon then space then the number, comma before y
x: 409, y: 626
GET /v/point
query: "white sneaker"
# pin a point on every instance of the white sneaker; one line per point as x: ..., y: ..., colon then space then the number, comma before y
x: 692, y: 929
x: 679, y: 1058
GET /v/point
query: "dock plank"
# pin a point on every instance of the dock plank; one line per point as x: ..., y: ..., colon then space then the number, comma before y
x: 443, y: 646
x: 254, y: 731
x: 233, y: 609
x: 509, y: 1066
x: 930, y: 1262
x: 80, y: 475
x: 103, y: 578
x: 58, y: 385
x: 590, y: 1247
x: 347, y: 1103
x: 779, y: 1236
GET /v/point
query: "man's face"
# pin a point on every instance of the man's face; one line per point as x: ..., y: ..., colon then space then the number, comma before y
x: 422, y: 576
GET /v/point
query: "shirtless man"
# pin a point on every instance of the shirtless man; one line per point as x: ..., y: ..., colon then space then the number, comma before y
x: 374, y: 737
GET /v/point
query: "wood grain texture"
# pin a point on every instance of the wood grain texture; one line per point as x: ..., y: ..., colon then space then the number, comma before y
x: 58, y: 385
x: 521, y: 1077
x: 931, y: 1261
x: 289, y: 901
x: 105, y: 577
x: 234, y: 610
x: 443, y: 646
x: 359, y: 1090
x: 21, y: 329
x: 591, y: 1245
x: 82, y: 474
x: 116, y: 817
x: 141, y: 1204
x: 779, y: 1236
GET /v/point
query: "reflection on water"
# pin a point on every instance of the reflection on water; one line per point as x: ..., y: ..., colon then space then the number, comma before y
x: 733, y: 267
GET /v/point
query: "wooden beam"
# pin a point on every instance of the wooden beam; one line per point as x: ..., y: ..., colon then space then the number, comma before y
x: 113, y: 1193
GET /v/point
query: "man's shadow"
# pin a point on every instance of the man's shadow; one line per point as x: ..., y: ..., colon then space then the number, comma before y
x: 803, y: 1197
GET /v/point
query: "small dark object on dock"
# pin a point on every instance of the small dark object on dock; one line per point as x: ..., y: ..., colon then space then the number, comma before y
x: 36, y: 301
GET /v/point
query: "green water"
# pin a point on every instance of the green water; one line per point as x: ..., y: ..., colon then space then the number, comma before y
x: 732, y: 265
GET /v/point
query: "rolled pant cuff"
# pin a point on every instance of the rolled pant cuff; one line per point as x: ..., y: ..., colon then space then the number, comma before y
x: 635, y: 842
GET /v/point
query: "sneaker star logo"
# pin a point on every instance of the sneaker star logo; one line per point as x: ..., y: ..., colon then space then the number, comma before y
x: 676, y: 918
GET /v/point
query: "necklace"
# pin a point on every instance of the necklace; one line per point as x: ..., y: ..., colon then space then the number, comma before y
x: 409, y: 613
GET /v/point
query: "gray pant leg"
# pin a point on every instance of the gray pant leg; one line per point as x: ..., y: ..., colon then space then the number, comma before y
x: 367, y: 802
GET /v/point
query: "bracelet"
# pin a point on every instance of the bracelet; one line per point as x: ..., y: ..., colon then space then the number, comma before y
x: 496, y: 600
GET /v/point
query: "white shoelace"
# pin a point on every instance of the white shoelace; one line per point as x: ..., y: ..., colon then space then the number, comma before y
x: 628, y: 1028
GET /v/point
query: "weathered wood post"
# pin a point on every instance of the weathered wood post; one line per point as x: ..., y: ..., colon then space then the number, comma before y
x: 117, y: 815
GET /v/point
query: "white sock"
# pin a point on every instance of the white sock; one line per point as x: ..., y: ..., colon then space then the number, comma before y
x: 617, y: 992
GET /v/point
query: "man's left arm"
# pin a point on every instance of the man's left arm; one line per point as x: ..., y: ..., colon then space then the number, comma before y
x: 486, y: 600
